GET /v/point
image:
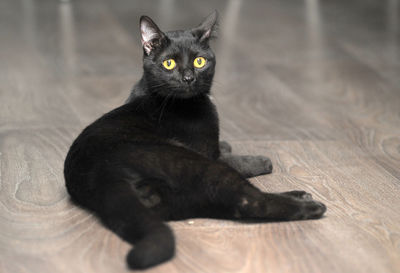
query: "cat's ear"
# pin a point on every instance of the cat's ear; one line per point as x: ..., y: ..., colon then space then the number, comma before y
x: 208, y: 28
x: 152, y: 36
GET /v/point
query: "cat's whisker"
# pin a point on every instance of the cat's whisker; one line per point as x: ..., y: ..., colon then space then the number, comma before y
x: 164, y: 104
x: 157, y: 85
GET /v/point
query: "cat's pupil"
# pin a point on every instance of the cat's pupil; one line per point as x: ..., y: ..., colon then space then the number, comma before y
x: 169, y: 62
x: 199, y: 61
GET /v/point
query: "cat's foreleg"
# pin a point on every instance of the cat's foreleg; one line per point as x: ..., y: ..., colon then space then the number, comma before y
x: 248, y: 165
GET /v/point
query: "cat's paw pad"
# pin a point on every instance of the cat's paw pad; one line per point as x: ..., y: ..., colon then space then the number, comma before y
x: 309, y: 210
x: 299, y: 194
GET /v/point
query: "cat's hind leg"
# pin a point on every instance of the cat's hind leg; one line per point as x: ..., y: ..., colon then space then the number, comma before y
x: 299, y: 194
x: 282, y: 206
x: 244, y: 202
x: 196, y: 186
x: 250, y: 203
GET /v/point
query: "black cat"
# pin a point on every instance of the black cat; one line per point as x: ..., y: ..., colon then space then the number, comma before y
x: 158, y: 157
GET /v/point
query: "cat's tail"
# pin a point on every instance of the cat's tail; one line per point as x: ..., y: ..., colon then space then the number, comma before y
x: 153, y: 248
x: 121, y: 211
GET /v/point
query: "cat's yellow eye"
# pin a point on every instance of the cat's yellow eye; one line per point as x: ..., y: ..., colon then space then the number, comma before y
x: 169, y: 64
x: 199, y: 62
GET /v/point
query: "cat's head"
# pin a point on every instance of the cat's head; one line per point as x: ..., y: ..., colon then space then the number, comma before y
x: 178, y: 63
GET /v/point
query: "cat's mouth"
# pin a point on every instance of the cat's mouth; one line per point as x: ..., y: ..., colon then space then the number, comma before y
x: 180, y: 90
x: 186, y: 91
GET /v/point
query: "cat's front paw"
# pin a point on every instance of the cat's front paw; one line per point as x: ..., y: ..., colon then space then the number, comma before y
x: 248, y: 165
x: 225, y: 147
x: 261, y: 165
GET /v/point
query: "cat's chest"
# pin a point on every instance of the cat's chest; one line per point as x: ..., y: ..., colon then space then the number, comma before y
x: 188, y: 125
x: 196, y: 128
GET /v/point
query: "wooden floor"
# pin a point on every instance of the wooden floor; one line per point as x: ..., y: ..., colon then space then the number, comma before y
x: 313, y: 84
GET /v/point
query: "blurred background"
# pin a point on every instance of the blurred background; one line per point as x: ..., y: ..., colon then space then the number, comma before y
x: 285, y: 54
x: 315, y: 85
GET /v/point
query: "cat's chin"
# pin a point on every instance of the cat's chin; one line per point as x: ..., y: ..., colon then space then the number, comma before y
x: 186, y: 94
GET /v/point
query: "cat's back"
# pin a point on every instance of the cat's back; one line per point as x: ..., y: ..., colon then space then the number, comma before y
x: 126, y: 123
x: 193, y: 124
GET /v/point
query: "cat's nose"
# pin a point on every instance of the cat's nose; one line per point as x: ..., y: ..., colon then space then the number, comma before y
x: 188, y: 76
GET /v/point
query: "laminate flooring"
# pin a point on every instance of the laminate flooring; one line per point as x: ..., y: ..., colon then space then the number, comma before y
x: 314, y: 85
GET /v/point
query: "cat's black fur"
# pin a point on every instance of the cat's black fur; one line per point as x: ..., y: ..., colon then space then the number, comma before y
x: 158, y: 157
